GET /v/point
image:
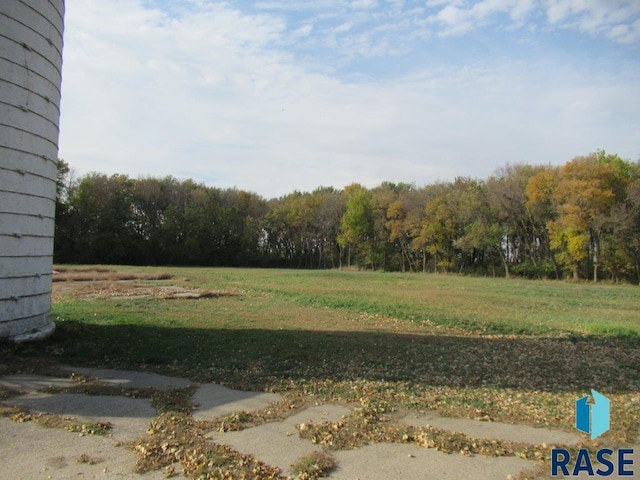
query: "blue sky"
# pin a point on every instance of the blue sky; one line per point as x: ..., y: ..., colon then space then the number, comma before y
x: 274, y: 96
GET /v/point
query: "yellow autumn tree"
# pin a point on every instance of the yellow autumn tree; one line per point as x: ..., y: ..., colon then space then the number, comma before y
x: 584, y: 194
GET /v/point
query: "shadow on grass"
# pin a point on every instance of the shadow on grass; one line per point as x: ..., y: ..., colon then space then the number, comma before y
x: 260, y: 358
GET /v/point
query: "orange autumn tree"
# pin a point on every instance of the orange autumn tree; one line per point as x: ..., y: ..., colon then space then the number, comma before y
x: 585, y: 191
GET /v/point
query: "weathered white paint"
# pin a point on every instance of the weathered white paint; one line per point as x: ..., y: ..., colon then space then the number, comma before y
x: 30, y: 78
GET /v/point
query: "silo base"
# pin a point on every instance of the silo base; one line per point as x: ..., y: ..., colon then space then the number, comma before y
x: 30, y: 330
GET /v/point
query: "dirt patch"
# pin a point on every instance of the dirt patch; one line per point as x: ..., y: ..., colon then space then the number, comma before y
x: 119, y: 291
x: 102, y: 274
x: 128, y: 287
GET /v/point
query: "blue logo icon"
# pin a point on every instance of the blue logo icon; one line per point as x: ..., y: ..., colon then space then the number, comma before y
x: 593, y: 418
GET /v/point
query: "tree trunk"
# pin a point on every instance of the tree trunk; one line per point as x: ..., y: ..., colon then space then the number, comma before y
x: 505, y: 263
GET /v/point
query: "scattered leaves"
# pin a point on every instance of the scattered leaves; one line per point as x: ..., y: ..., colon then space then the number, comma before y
x: 177, y: 438
x: 292, y: 403
x: 172, y: 400
x: 313, y: 466
x: 23, y: 415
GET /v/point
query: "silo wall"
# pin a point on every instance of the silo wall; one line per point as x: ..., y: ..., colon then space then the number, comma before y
x: 31, y: 37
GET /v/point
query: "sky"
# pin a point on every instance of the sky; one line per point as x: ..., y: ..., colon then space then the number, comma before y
x: 273, y: 96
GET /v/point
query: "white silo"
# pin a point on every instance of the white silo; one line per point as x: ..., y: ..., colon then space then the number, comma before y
x: 30, y: 79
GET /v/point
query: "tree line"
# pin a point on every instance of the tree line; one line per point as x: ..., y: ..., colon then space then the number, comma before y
x: 579, y: 220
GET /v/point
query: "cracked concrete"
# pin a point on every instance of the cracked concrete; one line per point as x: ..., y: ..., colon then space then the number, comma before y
x: 497, y: 430
x: 130, y: 417
x: 128, y: 379
x: 278, y: 443
x: 392, y: 460
x: 213, y: 401
x: 28, y: 451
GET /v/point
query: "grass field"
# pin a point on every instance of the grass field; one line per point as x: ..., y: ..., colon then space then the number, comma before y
x: 500, y: 349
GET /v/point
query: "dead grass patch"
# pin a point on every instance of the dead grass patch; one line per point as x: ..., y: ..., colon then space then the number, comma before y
x: 103, y: 274
x: 313, y: 466
x: 131, y: 289
x: 60, y: 269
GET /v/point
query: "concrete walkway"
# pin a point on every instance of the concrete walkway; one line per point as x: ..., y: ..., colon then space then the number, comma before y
x: 33, y: 452
x: 278, y: 443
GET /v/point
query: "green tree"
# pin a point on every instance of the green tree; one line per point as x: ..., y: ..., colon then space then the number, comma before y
x: 439, y: 229
x: 523, y: 246
x: 620, y: 253
x: 400, y: 232
x: 65, y: 218
x: 330, y: 207
x: 480, y: 237
x: 357, y: 224
x: 383, y: 248
x: 104, y: 220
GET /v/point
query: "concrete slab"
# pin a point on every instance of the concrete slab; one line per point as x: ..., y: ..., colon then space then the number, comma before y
x: 33, y: 383
x: 383, y: 461
x: 213, y: 401
x: 493, y: 430
x: 130, y: 417
x: 278, y: 443
x: 28, y: 451
x: 31, y: 452
x: 127, y: 379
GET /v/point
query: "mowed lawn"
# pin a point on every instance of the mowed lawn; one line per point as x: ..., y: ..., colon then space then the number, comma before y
x: 489, y: 305
x: 494, y: 349
x: 403, y: 334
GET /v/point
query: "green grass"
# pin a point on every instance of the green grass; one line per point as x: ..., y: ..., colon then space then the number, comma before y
x: 505, y: 349
x: 285, y: 324
x: 477, y: 304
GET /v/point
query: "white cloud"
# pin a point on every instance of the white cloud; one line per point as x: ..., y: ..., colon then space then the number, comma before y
x: 625, y: 33
x: 303, y: 31
x: 363, y: 4
x: 613, y: 19
x: 521, y: 10
x: 454, y: 20
x: 457, y: 17
x: 222, y: 96
x: 342, y: 28
x: 618, y: 20
x: 439, y: 3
